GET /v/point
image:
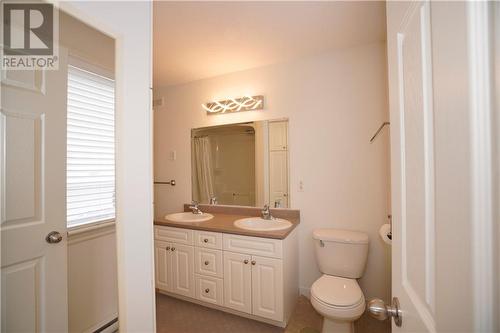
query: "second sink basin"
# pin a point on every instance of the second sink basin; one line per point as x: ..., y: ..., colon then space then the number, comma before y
x: 188, y: 217
x: 259, y: 224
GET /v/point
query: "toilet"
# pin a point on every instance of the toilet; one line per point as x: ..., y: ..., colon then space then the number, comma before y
x: 336, y: 295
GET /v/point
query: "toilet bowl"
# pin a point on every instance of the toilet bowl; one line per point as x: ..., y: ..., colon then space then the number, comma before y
x: 339, y: 300
x: 336, y: 295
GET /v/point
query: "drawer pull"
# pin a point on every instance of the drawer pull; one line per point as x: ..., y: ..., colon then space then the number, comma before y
x: 167, y: 248
x: 207, y: 291
x: 245, y: 261
x: 173, y: 248
x: 206, y: 240
x: 206, y: 263
x: 253, y: 262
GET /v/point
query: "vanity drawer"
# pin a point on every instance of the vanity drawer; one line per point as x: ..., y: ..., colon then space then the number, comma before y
x: 208, y: 262
x: 176, y: 235
x: 211, y: 240
x: 209, y: 289
x: 265, y: 247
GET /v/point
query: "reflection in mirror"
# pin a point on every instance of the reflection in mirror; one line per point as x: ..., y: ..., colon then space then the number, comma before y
x: 242, y: 164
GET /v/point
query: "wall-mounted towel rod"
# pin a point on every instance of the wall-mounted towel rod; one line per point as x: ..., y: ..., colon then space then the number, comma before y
x: 379, y: 129
x: 172, y: 182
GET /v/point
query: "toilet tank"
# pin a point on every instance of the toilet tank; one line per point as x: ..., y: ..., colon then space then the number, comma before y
x: 341, y: 252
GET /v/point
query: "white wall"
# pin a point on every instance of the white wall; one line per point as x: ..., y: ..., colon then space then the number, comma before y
x: 130, y: 24
x: 334, y: 103
x: 92, y: 277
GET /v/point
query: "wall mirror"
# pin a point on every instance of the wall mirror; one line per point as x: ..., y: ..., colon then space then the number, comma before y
x: 244, y: 164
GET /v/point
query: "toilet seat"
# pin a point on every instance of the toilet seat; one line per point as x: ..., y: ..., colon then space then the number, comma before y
x: 337, y: 297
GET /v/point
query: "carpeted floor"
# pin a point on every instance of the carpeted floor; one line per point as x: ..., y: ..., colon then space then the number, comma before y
x: 177, y: 316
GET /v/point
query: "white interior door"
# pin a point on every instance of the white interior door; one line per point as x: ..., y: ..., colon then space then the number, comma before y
x: 442, y: 252
x: 33, y: 174
x: 412, y: 130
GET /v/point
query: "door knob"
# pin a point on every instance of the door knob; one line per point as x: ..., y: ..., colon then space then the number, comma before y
x: 53, y: 237
x: 379, y: 310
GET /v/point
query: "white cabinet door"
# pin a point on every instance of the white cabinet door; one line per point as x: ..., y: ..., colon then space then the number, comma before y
x: 267, y: 288
x: 278, y: 135
x: 163, y: 266
x: 183, y: 270
x: 278, y: 178
x: 237, y: 282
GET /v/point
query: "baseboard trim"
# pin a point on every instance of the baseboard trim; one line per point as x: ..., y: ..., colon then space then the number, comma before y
x: 111, y: 326
x: 108, y: 325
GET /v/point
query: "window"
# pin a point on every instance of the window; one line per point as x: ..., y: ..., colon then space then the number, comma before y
x: 90, y: 175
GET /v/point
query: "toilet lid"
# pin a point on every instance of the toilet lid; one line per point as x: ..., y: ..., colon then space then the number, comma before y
x: 337, y: 291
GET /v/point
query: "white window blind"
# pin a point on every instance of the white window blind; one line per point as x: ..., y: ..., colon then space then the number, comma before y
x: 90, y: 148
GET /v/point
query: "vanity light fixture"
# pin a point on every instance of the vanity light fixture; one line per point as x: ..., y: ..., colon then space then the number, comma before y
x: 246, y: 103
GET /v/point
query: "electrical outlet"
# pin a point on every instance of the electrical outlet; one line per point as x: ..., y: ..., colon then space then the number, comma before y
x: 301, y: 186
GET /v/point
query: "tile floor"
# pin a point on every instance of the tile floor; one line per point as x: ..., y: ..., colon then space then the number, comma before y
x: 177, y: 316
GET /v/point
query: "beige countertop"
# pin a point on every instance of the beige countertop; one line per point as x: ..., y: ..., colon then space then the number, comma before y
x: 224, y: 217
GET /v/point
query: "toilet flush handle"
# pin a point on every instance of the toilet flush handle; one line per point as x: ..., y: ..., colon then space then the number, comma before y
x: 321, y: 243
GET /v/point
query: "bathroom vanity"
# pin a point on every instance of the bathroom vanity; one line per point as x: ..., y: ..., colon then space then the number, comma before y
x: 214, y: 263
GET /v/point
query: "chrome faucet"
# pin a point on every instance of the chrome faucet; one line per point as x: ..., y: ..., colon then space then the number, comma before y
x: 213, y: 200
x: 194, y: 208
x: 266, y: 213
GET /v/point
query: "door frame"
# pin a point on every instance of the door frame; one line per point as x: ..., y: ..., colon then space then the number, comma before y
x: 134, y: 154
x: 485, y: 182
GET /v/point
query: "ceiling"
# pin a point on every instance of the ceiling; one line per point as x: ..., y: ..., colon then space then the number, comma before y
x: 197, y: 40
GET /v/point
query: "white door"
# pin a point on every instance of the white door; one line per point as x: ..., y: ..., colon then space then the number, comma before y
x: 278, y: 178
x: 183, y: 270
x: 413, y: 229
x: 163, y: 266
x: 278, y: 135
x: 237, y: 282
x: 267, y: 288
x: 439, y: 273
x: 33, y: 177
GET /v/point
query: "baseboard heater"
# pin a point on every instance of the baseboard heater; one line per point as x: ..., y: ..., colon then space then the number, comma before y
x: 107, y: 327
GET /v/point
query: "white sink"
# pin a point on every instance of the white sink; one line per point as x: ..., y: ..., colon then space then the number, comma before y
x: 259, y: 224
x: 188, y: 217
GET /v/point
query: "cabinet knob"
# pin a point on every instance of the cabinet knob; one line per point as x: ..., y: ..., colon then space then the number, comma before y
x: 167, y: 248
x: 207, y: 291
x: 206, y: 263
x: 205, y: 240
x: 253, y: 262
x: 173, y: 248
x: 245, y: 261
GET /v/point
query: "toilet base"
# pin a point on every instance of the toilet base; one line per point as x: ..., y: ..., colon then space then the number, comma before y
x: 336, y: 326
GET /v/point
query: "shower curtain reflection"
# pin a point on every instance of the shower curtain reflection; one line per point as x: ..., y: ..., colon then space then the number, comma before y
x: 203, y: 176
